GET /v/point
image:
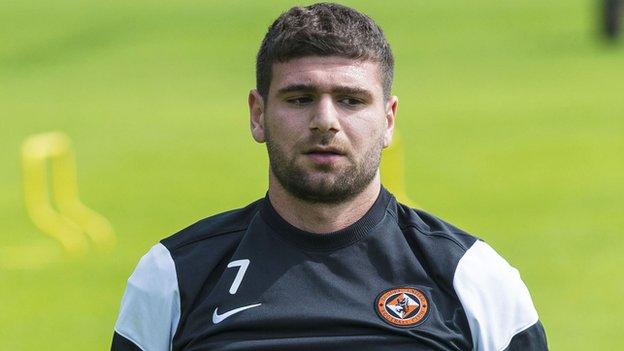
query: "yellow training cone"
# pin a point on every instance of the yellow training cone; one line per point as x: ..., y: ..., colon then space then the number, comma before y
x: 73, y: 219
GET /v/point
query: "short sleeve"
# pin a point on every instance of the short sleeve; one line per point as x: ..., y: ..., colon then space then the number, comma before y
x: 150, y: 307
x: 497, y: 303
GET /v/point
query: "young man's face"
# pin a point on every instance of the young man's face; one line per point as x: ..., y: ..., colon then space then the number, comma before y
x: 325, y: 122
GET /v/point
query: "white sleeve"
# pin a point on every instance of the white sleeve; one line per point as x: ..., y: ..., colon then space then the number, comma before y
x: 496, y: 301
x: 150, y: 308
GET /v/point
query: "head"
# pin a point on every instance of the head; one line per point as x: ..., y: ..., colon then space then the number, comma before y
x: 323, y: 102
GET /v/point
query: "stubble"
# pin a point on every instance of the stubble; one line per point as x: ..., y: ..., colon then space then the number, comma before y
x: 329, y: 183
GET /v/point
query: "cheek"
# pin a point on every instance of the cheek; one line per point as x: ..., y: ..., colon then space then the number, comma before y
x: 367, y: 131
x: 284, y: 129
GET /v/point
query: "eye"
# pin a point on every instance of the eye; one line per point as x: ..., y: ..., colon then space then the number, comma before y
x: 299, y: 100
x: 351, y: 102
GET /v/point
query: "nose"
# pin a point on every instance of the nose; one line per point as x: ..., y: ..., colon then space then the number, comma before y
x: 325, y: 116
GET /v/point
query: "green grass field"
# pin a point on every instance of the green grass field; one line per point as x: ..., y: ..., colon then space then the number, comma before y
x: 511, y: 112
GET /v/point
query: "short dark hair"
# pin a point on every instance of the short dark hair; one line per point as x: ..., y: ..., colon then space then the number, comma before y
x: 323, y: 29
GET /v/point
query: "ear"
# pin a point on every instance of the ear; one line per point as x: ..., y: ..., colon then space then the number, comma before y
x: 391, y: 110
x: 256, y: 115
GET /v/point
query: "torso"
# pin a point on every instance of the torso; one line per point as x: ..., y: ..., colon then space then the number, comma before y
x: 384, y: 283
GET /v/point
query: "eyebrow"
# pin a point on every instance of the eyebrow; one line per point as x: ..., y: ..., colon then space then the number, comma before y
x: 343, y: 90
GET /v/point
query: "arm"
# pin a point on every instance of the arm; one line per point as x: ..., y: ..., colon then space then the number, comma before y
x: 498, y: 305
x: 150, y: 307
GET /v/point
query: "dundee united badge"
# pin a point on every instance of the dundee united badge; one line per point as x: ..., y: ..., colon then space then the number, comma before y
x: 402, y: 307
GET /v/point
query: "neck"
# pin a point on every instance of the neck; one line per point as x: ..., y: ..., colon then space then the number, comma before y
x: 321, y: 217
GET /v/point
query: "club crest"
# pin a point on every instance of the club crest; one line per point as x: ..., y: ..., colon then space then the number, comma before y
x: 402, y: 307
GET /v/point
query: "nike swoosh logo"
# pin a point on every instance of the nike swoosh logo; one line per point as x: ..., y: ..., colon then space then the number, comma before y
x: 218, y: 318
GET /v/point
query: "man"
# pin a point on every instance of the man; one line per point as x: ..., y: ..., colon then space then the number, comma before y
x: 328, y: 260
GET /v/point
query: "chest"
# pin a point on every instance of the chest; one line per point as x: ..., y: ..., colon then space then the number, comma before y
x: 374, y: 295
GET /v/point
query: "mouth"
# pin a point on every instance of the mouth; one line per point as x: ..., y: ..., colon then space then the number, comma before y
x: 328, y: 151
x: 324, y: 156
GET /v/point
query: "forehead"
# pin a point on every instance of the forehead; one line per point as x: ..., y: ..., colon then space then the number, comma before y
x: 327, y: 72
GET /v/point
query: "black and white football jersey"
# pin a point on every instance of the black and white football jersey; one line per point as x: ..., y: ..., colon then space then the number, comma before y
x: 397, y: 279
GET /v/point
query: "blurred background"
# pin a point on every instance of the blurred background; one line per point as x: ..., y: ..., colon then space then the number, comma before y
x: 511, y: 115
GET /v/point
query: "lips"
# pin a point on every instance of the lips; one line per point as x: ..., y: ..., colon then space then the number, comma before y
x: 325, y: 151
x: 324, y: 155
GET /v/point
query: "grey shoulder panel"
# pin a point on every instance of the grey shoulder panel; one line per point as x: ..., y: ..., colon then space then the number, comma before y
x: 150, y: 307
x: 496, y: 301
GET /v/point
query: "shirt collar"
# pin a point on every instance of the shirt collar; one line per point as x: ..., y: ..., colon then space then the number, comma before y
x: 327, y: 241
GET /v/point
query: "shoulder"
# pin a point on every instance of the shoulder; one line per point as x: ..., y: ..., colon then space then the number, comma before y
x: 151, y: 295
x: 438, y: 245
x: 497, y: 303
x: 213, y: 227
x: 152, y: 304
x: 203, y: 248
x: 434, y: 228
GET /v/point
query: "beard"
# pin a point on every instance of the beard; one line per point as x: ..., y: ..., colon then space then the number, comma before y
x: 336, y: 184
